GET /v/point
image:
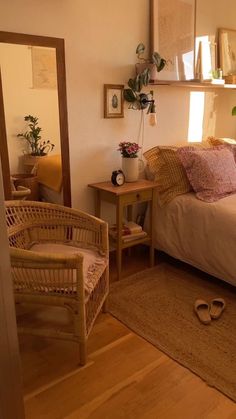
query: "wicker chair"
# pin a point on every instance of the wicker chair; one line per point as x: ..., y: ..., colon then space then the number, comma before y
x: 59, y: 256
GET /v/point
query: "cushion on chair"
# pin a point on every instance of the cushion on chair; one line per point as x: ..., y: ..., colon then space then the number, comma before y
x: 93, y: 264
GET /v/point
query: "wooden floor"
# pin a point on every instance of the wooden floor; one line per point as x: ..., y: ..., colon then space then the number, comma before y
x: 125, y: 378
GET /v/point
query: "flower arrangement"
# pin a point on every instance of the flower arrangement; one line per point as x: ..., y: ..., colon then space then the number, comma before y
x: 129, y: 149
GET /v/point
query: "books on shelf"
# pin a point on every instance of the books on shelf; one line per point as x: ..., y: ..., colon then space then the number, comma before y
x: 130, y: 231
x: 134, y: 236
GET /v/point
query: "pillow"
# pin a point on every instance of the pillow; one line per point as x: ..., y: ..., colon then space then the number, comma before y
x: 211, y: 172
x: 220, y: 141
x: 165, y: 168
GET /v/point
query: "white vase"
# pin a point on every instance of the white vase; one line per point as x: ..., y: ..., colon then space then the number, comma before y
x: 130, y: 167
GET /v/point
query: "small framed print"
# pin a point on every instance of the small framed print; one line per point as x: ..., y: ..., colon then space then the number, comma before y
x: 113, y: 101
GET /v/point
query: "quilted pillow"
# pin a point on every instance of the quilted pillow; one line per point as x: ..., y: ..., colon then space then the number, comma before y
x: 166, y: 169
x: 211, y: 172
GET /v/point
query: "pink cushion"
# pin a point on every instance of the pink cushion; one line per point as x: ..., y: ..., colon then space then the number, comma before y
x: 211, y: 172
x: 93, y: 263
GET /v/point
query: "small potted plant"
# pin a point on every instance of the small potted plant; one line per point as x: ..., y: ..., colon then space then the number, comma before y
x: 130, y: 162
x: 38, y: 147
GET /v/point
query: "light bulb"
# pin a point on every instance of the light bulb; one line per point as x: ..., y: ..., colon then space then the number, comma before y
x: 153, y: 119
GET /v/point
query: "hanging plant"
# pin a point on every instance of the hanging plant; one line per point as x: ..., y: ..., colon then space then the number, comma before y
x: 132, y: 93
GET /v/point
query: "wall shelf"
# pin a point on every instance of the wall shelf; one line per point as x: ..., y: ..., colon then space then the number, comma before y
x: 192, y: 84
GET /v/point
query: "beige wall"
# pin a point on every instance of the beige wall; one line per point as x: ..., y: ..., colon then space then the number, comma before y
x: 100, y: 40
x: 21, y: 99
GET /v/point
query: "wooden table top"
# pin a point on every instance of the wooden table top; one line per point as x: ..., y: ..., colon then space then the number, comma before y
x: 128, y: 187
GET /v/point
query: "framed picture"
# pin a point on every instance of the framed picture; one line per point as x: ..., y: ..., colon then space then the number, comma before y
x: 113, y: 101
x: 227, y: 49
x: 172, y: 36
x: 44, y: 68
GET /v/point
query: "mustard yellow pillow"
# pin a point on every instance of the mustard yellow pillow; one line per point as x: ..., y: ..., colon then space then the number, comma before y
x: 169, y: 173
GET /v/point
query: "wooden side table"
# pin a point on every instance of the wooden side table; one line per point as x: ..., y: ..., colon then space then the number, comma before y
x: 126, y: 196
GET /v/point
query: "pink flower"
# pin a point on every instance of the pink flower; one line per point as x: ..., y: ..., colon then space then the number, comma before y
x: 128, y: 149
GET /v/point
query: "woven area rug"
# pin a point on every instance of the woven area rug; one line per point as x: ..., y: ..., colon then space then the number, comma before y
x: 157, y: 304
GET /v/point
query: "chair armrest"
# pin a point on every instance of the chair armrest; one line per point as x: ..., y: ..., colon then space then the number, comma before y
x: 27, y: 259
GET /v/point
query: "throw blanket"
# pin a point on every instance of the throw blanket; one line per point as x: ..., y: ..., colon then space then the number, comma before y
x: 49, y: 172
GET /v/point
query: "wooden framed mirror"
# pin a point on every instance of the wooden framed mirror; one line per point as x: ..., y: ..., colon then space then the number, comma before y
x: 56, y: 93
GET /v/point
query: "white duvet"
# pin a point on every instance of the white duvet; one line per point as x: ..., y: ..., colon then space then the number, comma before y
x: 199, y: 233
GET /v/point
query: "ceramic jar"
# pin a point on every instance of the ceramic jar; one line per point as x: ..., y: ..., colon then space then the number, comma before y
x: 130, y: 167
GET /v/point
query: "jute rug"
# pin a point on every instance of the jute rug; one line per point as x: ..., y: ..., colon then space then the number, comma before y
x: 157, y: 304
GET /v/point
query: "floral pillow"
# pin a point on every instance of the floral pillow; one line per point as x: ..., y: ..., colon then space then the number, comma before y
x: 211, y: 172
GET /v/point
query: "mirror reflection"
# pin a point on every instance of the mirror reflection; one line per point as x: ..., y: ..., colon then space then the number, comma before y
x: 30, y: 96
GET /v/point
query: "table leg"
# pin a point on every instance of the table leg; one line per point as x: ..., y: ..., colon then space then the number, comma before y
x: 119, y: 219
x: 151, y: 227
x: 98, y: 204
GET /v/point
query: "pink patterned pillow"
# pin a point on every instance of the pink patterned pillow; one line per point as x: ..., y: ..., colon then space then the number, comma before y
x: 211, y: 171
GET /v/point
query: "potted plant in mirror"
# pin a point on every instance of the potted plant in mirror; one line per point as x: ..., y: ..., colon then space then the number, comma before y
x: 129, y: 152
x: 38, y: 147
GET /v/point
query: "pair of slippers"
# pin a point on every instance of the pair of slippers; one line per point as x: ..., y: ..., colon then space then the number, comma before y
x: 205, y: 312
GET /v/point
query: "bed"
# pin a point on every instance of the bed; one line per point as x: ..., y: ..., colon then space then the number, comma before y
x: 195, y: 218
x: 199, y: 233
x: 49, y: 175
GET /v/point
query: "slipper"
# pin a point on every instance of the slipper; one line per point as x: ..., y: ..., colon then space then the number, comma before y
x: 201, y: 309
x: 217, y: 307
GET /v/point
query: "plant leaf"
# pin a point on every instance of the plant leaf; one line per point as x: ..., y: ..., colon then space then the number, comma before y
x: 156, y: 58
x: 146, y: 76
x: 234, y: 111
x: 138, y: 83
x: 129, y: 95
x: 140, y: 49
x: 161, y: 65
x: 131, y: 84
x: 158, y: 61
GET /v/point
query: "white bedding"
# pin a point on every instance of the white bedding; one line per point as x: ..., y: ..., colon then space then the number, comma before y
x: 199, y: 233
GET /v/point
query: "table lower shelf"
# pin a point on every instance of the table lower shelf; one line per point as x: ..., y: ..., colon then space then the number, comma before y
x: 143, y: 240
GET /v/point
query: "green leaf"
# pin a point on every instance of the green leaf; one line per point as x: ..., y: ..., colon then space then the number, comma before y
x: 138, y: 83
x: 146, y: 76
x: 129, y: 95
x: 156, y: 58
x: 140, y: 49
x: 158, y: 61
x: 234, y: 111
x: 161, y: 65
x: 131, y: 84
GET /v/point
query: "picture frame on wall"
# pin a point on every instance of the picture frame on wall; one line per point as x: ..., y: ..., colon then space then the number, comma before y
x: 227, y: 50
x: 173, y: 37
x: 113, y: 101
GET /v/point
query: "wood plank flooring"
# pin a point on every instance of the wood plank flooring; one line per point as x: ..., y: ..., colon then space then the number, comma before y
x: 125, y: 378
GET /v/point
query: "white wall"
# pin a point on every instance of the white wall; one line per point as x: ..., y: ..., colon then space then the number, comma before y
x: 100, y: 40
x: 20, y: 99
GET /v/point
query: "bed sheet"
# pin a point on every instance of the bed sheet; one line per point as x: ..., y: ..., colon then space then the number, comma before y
x: 199, y: 233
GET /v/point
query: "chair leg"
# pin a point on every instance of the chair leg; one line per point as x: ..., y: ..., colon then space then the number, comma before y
x: 83, y: 353
x: 105, y: 306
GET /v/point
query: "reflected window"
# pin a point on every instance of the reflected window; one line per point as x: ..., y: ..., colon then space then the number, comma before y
x: 196, y: 116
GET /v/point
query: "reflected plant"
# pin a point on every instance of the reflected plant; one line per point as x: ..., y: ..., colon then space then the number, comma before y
x: 38, y: 146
